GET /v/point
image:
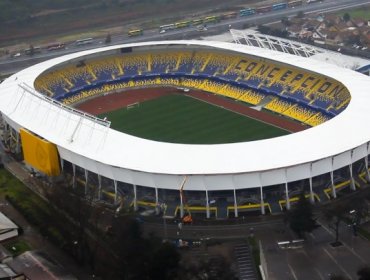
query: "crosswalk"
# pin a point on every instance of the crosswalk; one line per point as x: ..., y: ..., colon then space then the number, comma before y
x: 245, y: 262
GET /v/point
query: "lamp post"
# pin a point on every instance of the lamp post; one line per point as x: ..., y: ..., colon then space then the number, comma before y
x: 164, y: 208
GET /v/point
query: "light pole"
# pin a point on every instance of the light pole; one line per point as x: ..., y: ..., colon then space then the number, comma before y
x: 164, y: 208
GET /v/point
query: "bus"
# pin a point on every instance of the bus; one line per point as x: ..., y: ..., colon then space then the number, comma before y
x: 279, y: 6
x: 265, y: 9
x: 32, y: 50
x: 183, y: 24
x: 247, y: 12
x: 167, y: 27
x: 136, y: 32
x: 196, y: 22
x: 56, y: 46
x: 296, y: 3
x: 229, y: 15
x: 211, y: 19
x: 84, y: 41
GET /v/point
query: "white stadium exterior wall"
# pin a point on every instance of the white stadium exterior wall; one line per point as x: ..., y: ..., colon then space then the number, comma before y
x: 316, y: 151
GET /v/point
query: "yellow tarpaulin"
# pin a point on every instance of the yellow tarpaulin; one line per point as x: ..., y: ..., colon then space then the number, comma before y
x: 39, y: 153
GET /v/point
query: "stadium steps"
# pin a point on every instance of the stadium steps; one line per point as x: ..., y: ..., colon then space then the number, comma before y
x: 221, y: 208
x: 245, y: 262
x: 322, y: 195
x: 171, y: 209
x: 275, y: 206
x: 266, y: 100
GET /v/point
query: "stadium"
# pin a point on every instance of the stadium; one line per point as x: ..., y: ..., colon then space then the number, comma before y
x: 57, y: 116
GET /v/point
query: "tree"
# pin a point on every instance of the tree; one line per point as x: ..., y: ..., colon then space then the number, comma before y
x: 364, y: 273
x: 351, y: 209
x: 337, y: 277
x: 31, y: 50
x: 300, y: 217
x: 335, y: 213
x: 285, y: 21
x: 138, y: 257
x: 108, y: 39
x: 300, y: 14
x: 346, y: 17
x: 206, y: 269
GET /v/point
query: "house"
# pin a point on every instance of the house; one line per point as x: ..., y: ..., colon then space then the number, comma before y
x: 8, y: 229
x: 36, y: 265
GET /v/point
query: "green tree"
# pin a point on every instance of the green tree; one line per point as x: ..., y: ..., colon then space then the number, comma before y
x: 346, y: 17
x: 108, y: 39
x: 286, y: 21
x: 300, y: 14
x: 31, y: 50
x: 364, y: 273
x: 335, y: 213
x: 300, y: 217
x: 351, y: 209
x: 337, y: 277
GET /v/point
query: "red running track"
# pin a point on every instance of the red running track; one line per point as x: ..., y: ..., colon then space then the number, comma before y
x: 111, y: 102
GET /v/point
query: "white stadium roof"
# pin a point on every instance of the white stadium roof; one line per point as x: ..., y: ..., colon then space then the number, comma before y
x: 331, y: 145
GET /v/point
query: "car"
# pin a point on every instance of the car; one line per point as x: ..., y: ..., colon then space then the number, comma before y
x: 16, y: 55
x: 162, y: 31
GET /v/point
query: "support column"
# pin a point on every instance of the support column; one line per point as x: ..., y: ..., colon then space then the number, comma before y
x: 262, y: 202
x: 181, y: 206
x: 287, y: 191
x: 156, y: 196
x: 17, y: 144
x: 86, y: 180
x: 74, y: 175
x: 312, y: 197
x: 235, y: 205
x: 367, y: 168
x: 332, y: 180
x: 351, y: 179
x: 157, y: 209
x: 115, y: 191
x: 62, y: 164
x: 99, y: 190
x: 287, y: 196
x: 135, y: 198
x: 287, y: 205
x: 207, y: 206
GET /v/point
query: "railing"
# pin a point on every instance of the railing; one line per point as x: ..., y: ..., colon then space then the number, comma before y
x: 51, y: 101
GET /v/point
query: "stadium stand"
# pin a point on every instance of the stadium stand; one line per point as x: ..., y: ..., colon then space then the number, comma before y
x: 295, y: 93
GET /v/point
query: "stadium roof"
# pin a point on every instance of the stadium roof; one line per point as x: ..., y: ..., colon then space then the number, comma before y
x: 116, y: 155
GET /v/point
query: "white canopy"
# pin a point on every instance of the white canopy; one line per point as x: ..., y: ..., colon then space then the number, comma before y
x: 318, y: 150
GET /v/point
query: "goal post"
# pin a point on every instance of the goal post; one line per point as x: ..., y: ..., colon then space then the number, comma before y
x: 133, y: 105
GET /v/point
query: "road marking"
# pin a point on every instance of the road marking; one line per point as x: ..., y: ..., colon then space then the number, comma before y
x: 316, y: 270
x: 292, y: 272
x: 320, y: 275
x: 312, y: 235
x: 335, y: 261
x: 345, y: 244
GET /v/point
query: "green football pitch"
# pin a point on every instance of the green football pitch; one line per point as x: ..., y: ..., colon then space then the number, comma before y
x: 182, y: 119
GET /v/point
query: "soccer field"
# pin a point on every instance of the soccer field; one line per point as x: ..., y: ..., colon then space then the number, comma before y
x: 182, y: 119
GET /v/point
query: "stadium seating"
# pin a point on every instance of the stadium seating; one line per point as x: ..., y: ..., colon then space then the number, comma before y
x: 296, y: 93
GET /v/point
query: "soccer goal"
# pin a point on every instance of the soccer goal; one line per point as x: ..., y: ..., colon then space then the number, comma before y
x: 133, y: 105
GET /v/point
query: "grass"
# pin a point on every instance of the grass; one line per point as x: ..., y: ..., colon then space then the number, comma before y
x: 35, y: 210
x: 363, y: 12
x: 182, y: 119
x: 17, y: 247
x: 364, y: 233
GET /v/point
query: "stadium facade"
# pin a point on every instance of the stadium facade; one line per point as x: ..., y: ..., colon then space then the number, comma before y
x: 246, y: 174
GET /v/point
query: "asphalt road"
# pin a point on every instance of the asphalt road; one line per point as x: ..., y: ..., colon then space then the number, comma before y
x: 10, y: 65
